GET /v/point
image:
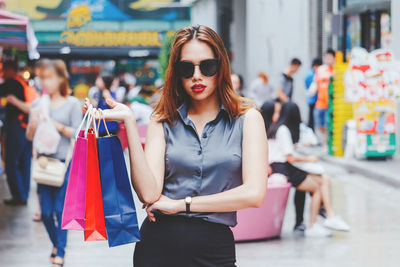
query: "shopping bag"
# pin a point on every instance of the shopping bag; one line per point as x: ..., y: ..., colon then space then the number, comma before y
x: 119, y: 207
x: 95, y: 228
x: 73, y: 217
x: 46, y: 138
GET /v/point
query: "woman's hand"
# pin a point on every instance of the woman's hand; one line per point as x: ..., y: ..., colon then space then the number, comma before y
x: 117, y: 111
x: 166, y: 206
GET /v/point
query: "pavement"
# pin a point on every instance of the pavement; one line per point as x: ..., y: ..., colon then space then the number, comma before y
x: 382, y: 170
x: 370, y: 207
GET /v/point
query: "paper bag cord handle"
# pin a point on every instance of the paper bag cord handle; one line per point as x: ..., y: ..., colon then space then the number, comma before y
x: 104, y: 121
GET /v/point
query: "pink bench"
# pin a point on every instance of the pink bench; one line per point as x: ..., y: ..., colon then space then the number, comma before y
x: 266, y: 221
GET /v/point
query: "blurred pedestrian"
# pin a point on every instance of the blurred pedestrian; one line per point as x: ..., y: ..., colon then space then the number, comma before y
x: 118, y: 90
x: 322, y: 78
x: 312, y: 97
x: 104, y: 82
x: 66, y: 115
x: 260, y: 89
x: 18, y: 150
x: 237, y: 83
x: 133, y: 88
x: 285, y: 88
x: 283, y: 133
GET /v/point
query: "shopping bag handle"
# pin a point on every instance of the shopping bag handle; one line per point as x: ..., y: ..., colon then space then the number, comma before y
x: 88, y: 111
x: 90, y: 122
x: 104, y: 121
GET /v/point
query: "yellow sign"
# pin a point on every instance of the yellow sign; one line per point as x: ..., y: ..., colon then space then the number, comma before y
x: 79, y: 16
x: 110, y: 38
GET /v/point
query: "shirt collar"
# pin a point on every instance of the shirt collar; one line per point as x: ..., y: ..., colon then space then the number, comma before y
x: 183, y: 113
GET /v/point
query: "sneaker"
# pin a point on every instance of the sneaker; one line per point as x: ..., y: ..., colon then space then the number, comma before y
x: 318, y: 231
x: 336, y: 223
x: 299, y: 230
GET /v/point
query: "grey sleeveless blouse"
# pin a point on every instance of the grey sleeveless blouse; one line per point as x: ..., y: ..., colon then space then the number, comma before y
x: 203, y: 165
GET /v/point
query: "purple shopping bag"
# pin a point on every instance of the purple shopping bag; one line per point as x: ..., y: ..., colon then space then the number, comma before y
x: 73, y: 217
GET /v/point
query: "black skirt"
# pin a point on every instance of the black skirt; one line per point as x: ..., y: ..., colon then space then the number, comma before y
x: 179, y: 241
x: 294, y: 175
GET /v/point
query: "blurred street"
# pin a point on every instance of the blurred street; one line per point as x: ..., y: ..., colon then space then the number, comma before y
x: 324, y: 76
x: 370, y: 207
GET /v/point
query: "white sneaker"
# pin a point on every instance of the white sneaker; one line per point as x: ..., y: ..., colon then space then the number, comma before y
x: 336, y: 223
x: 318, y: 231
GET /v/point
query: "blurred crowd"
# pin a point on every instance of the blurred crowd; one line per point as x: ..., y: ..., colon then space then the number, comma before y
x: 29, y: 99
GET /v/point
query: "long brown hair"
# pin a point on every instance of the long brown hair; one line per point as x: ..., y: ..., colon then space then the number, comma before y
x: 173, y: 94
x: 60, y: 68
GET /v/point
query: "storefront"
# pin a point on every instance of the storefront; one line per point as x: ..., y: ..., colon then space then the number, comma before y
x: 367, y: 24
x: 103, y: 35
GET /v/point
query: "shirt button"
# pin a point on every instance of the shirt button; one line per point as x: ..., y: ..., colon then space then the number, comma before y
x: 197, y: 172
x: 199, y: 152
x: 204, y: 135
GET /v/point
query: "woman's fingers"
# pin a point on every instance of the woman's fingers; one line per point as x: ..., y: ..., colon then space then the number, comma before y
x: 111, y: 102
x: 150, y: 213
x: 87, y: 104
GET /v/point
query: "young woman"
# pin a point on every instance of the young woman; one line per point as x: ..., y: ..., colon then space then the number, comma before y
x: 206, y: 157
x: 66, y: 115
x: 284, y: 132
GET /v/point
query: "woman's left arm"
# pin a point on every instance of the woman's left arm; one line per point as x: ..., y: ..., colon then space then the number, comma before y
x: 255, y: 172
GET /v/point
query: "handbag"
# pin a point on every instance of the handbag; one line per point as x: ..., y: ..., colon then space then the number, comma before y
x: 73, y: 217
x: 46, y: 137
x: 119, y: 207
x: 50, y: 171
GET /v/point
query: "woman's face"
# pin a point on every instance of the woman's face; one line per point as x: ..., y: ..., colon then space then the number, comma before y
x: 51, y: 82
x: 235, y: 82
x: 277, y: 112
x: 99, y: 83
x: 199, y: 87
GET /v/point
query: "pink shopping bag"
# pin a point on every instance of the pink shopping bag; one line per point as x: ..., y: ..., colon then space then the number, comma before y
x: 73, y: 217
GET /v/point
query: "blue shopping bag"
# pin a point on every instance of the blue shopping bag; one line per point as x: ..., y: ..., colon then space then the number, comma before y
x: 119, y: 207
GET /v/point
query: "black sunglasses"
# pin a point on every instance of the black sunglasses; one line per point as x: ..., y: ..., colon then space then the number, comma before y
x: 208, y: 67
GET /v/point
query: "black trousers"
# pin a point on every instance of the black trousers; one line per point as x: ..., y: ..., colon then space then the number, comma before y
x: 179, y: 241
x: 311, y: 115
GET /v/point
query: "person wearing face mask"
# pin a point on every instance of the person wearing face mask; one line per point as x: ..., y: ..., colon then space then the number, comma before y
x: 206, y: 157
x: 66, y: 115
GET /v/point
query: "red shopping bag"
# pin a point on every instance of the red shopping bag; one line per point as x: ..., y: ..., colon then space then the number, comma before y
x: 95, y: 227
x: 122, y: 136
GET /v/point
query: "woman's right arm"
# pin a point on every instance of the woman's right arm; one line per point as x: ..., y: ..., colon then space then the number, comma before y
x: 147, y: 167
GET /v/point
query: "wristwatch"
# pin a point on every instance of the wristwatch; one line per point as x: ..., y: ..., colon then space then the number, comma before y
x: 188, y: 201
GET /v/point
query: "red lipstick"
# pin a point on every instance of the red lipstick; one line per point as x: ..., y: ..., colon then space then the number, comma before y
x: 198, y: 88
